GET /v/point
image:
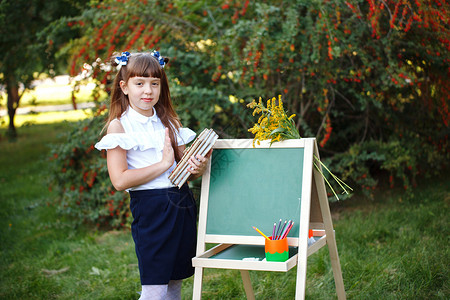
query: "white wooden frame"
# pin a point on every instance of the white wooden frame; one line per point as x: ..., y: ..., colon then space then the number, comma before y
x: 318, y: 219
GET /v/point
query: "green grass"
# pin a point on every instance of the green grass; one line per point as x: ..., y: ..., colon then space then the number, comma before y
x: 390, y: 248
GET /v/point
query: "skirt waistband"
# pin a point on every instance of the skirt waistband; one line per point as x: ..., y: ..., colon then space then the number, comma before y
x: 155, y: 192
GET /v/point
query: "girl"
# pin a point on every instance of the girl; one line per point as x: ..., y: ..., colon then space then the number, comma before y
x: 144, y: 141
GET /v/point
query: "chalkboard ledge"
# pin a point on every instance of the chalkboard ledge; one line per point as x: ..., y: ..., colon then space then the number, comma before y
x: 249, y: 257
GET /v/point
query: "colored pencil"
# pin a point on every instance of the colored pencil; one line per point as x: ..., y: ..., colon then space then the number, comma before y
x: 282, y: 230
x: 273, y: 231
x: 287, y: 231
x: 259, y: 231
x: 277, y: 232
x: 285, y: 228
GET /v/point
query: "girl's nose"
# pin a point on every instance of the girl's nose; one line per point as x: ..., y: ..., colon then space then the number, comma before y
x: 148, y: 89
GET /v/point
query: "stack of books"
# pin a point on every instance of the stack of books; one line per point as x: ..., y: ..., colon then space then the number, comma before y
x: 201, y: 145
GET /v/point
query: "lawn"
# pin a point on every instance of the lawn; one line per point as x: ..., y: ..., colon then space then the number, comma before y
x: 390, y: 247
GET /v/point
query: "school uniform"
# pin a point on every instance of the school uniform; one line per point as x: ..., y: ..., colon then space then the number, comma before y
x: 164, y: 217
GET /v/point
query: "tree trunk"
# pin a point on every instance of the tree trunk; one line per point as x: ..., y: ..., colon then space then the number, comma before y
x: 12, y: 89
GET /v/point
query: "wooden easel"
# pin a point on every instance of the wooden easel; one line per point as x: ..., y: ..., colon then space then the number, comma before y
x: 232, y: 162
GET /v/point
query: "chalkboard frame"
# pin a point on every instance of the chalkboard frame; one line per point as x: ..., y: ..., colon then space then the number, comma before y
x: 252, y: 237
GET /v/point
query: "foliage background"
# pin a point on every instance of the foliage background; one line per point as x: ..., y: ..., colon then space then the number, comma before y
x: 369, y: 79
x: 31, y: 32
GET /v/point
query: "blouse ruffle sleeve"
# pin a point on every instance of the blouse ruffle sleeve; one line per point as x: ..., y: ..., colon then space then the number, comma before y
x: 141, y: 141
x: 185, y: 136
x: 127, y: 141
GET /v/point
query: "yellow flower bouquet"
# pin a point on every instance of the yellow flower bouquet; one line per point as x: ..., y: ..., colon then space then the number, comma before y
x: 275, y: 125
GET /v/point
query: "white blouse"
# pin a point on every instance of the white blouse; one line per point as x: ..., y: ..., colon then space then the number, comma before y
x: 144, y: 141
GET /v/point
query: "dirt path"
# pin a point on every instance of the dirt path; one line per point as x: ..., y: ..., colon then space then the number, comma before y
x: 47, y: 108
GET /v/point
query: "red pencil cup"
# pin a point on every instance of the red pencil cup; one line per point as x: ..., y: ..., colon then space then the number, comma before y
x: 276, y: 250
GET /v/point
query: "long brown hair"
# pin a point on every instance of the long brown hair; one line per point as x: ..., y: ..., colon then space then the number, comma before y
x: 145, y: 65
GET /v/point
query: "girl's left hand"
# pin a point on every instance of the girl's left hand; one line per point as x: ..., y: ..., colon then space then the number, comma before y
x: 198, y: 163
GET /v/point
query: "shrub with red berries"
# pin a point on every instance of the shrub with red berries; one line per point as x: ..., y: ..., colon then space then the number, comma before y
x: 79, y: 178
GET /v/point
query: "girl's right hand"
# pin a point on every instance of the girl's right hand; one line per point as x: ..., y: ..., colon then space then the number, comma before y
x: 168, y: 154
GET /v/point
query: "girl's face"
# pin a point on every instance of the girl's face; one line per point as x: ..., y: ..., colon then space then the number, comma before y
x: 143, y: 93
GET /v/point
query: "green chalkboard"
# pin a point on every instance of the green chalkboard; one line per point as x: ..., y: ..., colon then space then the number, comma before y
x: 254, y: 187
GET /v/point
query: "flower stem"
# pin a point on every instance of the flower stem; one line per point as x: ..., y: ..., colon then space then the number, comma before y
x: 338, y: 180
x: 328, y: 183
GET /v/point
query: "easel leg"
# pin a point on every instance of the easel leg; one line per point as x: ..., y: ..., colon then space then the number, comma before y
x: 247, y: 285
x: 300, y: 287
x: 331, y: 240
x: 336, y: 266
x: 198, y: 280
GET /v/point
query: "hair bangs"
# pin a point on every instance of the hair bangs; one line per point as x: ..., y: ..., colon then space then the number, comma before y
x: 144, y: 65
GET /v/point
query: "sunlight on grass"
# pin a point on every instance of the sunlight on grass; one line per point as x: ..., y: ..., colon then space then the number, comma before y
x: 53, y: 92
x: 47, y: 117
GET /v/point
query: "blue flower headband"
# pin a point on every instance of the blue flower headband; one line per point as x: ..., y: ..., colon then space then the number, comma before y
x: 160, y: 59
x: 123, y: 59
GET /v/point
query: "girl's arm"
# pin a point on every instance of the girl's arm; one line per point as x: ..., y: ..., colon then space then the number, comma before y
x: 123, y: 178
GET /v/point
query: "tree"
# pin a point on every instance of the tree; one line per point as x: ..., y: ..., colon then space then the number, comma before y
x: 27, y: 50
x: 352, y: 71
x: 369, y: 79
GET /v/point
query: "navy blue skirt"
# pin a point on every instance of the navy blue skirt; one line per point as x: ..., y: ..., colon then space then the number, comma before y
x: 164, y: 231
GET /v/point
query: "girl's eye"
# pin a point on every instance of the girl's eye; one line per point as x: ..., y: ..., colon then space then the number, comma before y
x: 155, y: 83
